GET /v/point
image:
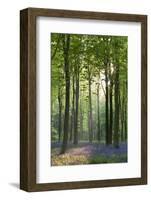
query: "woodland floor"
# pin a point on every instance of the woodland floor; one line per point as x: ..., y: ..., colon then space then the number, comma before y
x: 85, y: 153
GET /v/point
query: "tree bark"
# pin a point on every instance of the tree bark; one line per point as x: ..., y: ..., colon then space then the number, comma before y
x: 73, y: 110
x: 60, y: 115
x: 122, y: 114
x: 81, y: 120
x: 98, y: 110
x: 116, y: 100
x: 111, y: 107
x: 125, y: 127
x: 77, y: 107
x: 106, y: 105
x: 111, y: 114
x: 90, y: 108
x: 66, y: 46
x: 125, y: 111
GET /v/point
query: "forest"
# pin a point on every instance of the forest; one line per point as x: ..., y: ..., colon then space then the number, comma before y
x: 88, y: 99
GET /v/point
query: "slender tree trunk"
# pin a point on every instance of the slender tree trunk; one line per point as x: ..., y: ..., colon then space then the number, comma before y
x: 122, y: 114
x: 60, y: 116
x: 111, y: 110
x: 122, y: 126
x: 81, y: 118
x: 98, y: 110
x: 73, y: 110
x: 106, y: 106
x: 66, y: 46
x: 90, y: 108
x: 111, y: 116
x: 71, y: 125
x: 125, y: 111
x: 119, y: 102
x: 125, y: 127
x: 116, y: 99
x: 77, y: 107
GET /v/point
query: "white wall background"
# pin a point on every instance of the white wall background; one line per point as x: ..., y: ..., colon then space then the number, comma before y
x: 9, y: 98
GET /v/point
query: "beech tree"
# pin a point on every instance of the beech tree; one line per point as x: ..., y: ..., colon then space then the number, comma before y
x: 88, y: 89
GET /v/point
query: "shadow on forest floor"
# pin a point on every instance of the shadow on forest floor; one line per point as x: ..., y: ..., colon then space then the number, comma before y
x: 85, y: 153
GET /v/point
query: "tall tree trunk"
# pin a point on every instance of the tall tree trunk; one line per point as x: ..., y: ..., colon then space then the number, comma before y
x: 60, y: 115
x: 122, y: 126
x: 106, y: 106
x: 70, y: 128
x: 66, y: 46
x: 90, y: 108
x: 98, y: 110
x: 77, y: 107
x: 111, y: 109
x: 116, y: 100
x: 73, y: 110
x: 125, y: 110
x: 125, y: 124
x: 122, y: 114
x: 119, y: 102
x: 81, y: 119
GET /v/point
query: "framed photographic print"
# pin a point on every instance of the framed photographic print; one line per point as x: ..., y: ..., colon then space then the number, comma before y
x: 83, y: 92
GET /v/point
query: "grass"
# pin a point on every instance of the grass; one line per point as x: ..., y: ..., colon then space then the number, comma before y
x: 108, y: 159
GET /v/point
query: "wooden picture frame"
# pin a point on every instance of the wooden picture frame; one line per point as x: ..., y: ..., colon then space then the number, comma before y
x: 28, y: 99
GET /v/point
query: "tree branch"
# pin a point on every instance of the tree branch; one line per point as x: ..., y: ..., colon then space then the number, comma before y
x: 58, y: 41
x: 103, y: 88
